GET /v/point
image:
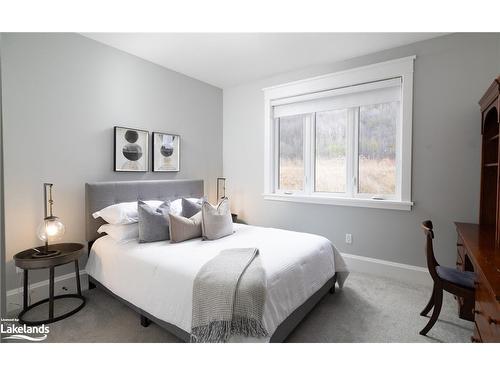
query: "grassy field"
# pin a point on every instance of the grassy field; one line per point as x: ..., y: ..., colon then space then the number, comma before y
x: 375, y: 176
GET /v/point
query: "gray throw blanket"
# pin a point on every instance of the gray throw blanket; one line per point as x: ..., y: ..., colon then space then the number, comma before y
x: 228, y: 297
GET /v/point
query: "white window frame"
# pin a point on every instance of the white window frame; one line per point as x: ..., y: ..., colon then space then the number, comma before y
x: 402, y: 68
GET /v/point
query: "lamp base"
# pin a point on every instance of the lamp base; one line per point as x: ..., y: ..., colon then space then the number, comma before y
x: 46, y: 254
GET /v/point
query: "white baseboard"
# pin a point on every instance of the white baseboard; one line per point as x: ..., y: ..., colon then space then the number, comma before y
x: 398, y: 271
x: 40, y: 290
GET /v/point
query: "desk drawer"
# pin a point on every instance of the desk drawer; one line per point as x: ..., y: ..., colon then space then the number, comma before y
x: 487, y: 313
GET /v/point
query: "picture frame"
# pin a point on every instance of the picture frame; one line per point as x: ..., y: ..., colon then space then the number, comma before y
x: 131, y: 150
x: 166, y: 152
x: 221, y: 188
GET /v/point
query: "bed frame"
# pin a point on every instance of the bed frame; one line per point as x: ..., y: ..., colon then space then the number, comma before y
x: 102, y: 194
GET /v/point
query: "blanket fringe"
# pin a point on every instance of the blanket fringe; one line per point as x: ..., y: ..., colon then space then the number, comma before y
x: 214, y: 332
x: 244, y: 326
x: 220, y: 331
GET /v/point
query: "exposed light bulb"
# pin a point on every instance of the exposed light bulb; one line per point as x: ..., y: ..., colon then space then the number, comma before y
x: 51, y: 229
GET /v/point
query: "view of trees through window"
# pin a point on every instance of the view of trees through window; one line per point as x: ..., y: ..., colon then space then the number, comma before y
x: 377, y: 148
x: 377, y: 125
x: 331, y: 163
x: 291, y: 153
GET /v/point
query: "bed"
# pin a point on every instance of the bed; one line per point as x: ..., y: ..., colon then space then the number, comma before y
x: 156, y: 279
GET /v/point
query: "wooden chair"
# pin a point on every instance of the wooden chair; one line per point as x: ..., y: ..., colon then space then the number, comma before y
x: 450, y: 279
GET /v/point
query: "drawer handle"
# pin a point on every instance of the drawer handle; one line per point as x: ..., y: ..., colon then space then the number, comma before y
x: 478, y: 312
x: 459, y: 244
x: 493, y: 321
x: 474, y: 339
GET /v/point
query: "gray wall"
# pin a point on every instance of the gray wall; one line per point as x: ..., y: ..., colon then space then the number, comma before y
x: 451, y: 74
x: 62, y: 95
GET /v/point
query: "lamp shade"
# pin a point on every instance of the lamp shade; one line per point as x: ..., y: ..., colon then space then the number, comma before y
x: 50, y: 229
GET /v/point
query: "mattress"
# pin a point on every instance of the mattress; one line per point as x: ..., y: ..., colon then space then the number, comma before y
x: 158, y: 277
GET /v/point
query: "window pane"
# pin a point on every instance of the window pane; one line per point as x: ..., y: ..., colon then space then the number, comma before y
x: 330, y: 161
x: 377, y: 148
x: 291, y: 153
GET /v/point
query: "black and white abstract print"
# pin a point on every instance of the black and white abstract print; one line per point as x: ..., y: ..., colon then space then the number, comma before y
x: 166, y: 152
x: 131, y: 150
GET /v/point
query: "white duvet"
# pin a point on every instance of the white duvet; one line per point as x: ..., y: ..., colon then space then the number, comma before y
x: 158, y: 277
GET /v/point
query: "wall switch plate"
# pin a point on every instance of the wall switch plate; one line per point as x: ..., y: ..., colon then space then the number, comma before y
x: 348, y: 238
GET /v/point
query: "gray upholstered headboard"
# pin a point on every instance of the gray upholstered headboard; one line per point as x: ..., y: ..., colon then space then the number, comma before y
x: 102, y: 194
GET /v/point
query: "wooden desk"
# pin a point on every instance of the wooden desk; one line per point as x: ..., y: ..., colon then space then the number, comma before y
x: 476, y: 251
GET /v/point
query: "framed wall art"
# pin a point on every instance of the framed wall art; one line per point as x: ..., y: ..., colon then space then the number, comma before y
x: 166, y: 152
x: 131, y: 150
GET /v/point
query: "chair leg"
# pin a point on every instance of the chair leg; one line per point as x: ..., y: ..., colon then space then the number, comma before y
x: 438, y: 302
x: 430, y: 304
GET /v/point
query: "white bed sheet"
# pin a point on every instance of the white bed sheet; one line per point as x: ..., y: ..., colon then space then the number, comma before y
x: 158, y: 277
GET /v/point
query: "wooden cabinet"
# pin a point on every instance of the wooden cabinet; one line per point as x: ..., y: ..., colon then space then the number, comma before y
x: 476, y: 245
x: 486, y: 312
x: 489, y: 207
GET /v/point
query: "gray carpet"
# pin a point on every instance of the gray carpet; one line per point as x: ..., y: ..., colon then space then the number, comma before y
x: 368, y: 309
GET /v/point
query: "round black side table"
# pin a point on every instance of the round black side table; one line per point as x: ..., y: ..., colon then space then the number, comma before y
x: 68, y: 252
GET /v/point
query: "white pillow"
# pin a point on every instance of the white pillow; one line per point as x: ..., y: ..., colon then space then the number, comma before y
x: 123, y: 213
x: 120, y: 232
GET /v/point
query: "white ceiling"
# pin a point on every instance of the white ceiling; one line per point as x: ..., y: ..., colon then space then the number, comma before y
x: 230, y: 59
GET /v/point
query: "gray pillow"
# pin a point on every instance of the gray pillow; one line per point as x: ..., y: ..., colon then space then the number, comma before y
x: 153, y: 223
x: 183, y: 228
x: 216, y: 221
x: 189, y: 209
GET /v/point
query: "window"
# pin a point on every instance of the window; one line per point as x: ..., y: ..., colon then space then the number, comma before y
x: 343, y: 138
x: 377, y: 130
x: 291, y: 153
x: 330, y: 163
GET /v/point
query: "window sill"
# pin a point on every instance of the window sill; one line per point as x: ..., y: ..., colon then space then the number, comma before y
x: 340, y: 201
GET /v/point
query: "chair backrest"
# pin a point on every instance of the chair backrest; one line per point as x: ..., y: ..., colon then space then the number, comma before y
x: 429, y: 249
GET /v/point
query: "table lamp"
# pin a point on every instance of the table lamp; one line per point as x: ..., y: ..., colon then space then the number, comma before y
x: 51, y: 228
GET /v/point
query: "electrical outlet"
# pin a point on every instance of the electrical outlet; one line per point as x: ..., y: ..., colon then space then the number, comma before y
x: 348, y: 238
